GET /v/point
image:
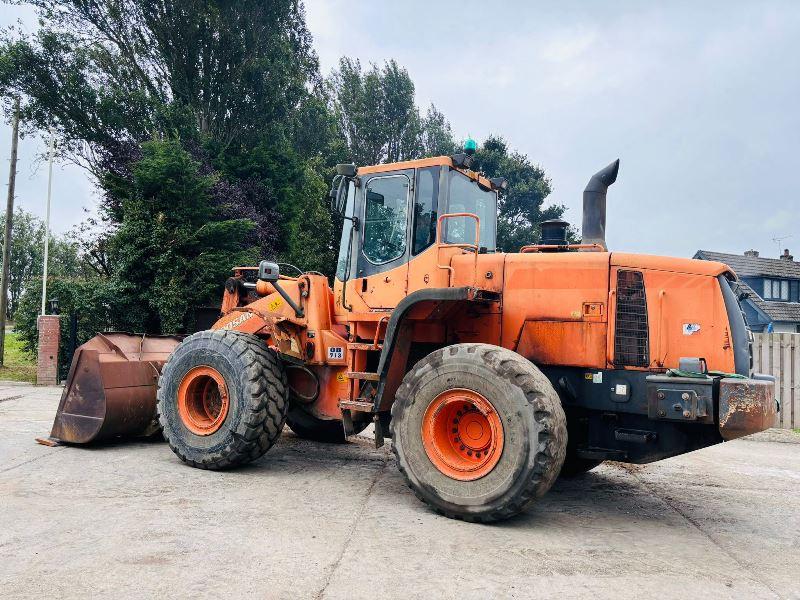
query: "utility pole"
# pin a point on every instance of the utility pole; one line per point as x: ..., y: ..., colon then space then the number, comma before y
x: 47, y: 219
x: 12, y: 179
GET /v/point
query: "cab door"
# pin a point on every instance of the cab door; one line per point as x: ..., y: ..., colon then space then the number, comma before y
x: 382, y: 264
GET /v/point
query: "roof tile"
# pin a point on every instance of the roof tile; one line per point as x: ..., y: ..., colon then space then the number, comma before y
x: 751, y: 266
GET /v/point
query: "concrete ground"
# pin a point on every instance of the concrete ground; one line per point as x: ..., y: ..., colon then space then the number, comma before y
x: 314, y: 521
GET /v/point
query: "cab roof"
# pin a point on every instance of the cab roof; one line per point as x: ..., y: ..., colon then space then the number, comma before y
x: 435, y: 161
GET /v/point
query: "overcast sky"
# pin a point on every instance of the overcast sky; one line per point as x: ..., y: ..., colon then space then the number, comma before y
x: 700, y: 103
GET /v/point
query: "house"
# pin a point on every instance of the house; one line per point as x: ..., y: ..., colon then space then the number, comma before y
x: 770, y: 288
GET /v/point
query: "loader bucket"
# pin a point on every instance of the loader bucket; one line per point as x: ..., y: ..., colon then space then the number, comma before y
x: 111, y: 388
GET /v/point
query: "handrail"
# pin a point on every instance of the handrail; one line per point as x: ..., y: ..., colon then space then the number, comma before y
x: 659, y: 359
x: 384, y: 318
x: 539, y: 247
x: 475, y: 246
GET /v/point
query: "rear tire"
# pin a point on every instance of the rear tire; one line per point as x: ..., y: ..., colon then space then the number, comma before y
x: 309, y: 427
x: 515, y: 422
x: 222, y: 399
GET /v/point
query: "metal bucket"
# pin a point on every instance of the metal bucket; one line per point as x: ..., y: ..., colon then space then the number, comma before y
x: 111, y: 388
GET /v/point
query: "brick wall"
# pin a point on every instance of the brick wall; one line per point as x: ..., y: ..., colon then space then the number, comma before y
x: 49, y: 339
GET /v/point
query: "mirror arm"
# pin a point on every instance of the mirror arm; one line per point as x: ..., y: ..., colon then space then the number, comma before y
x: 356, y: 222
x: 298, y: 312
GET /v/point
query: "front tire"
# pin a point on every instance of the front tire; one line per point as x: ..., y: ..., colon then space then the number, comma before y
x: 478, y: 432
x: 222, y: 399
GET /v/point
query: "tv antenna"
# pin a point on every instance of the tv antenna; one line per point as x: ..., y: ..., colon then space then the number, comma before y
x: 779, y: 242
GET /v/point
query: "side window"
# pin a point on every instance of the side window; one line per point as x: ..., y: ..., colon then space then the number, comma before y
x: 425, y: 208
x: 342, y: 270
x: 385, y: 218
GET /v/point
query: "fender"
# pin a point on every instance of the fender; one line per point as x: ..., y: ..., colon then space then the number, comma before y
x: 397, y: 341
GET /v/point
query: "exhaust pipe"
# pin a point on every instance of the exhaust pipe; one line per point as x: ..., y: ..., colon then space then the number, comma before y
x: 594, y: 205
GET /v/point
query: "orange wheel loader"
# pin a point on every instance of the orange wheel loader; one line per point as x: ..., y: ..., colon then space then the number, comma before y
x: 492, y: 372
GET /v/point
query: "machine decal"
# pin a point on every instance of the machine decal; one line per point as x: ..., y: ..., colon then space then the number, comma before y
x: 237, y: 321
x: 275, y: 304
x: 335, y: 353
x: 341, y: 377
x: 690, y: 328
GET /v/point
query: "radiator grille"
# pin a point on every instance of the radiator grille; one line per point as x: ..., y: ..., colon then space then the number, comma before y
x: 631, y: 345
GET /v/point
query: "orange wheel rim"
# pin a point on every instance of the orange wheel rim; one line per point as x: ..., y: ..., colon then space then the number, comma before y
x: 203, y: 400
x: 462, y: 434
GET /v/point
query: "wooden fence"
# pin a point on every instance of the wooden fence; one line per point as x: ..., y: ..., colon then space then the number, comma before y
x: 778, y: 354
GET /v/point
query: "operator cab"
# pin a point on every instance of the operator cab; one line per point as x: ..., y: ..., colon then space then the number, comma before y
x: 391, y: 212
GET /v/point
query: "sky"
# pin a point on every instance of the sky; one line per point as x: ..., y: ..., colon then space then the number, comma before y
x: 699, y: 101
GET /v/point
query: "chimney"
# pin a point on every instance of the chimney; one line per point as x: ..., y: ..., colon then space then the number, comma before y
x: 751, y: 253
x: 786, y: 255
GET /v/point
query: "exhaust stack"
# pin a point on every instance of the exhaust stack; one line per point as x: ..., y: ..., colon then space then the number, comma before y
x: 594, y: 205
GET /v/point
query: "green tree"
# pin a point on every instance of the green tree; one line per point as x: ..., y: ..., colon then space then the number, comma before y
x: 27, y: 248
x: 170, y: 252
x: 106, y: 72
x: 376, y: 112
x: 521, y: 209
x: 234, y: 84
x: 27, y: 255
x: 437, y: 135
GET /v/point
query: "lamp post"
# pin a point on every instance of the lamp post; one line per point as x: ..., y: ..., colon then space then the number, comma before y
x: 47, y: 218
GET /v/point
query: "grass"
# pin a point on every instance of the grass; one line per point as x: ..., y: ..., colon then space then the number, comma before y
x: 797, y: 431
x: 19, y: 364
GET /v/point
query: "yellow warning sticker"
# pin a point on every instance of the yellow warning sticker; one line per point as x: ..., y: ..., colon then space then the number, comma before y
x: 275, y: 304
x: 341, y: 377
x: 588, y: 376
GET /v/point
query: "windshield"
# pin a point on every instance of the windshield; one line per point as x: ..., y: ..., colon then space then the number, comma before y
x: 465, y: 195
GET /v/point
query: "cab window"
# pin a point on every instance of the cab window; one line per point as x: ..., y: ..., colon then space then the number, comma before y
x: 385, y: 217
x: 465, y: 195
x: 342, y: 271
x: 425, y: 208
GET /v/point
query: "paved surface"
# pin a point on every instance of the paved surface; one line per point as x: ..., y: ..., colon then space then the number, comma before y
x: 314, y: 521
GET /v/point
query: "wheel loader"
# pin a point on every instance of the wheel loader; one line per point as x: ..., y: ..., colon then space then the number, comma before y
x: 493, y: 373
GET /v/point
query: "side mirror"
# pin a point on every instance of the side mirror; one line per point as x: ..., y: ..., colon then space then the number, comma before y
x: 268, y: 271
x: 338, y: 194
x: 346, y: 170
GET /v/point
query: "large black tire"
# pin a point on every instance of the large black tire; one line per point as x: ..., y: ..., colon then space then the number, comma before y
x: 309, y: 427
x: 533, y: 422
x: 257, y: 393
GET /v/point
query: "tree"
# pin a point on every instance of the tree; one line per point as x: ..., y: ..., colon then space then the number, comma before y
x: 103, y: 73
x: 171, y: 252
x: 234, y: 84
x: 27, y: 256
x: 520, y: 209
x: 376, y: 112
x: 437, y: 135
x: 27, y: 248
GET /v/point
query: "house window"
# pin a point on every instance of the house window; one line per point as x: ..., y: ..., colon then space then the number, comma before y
x: 778, y: 289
